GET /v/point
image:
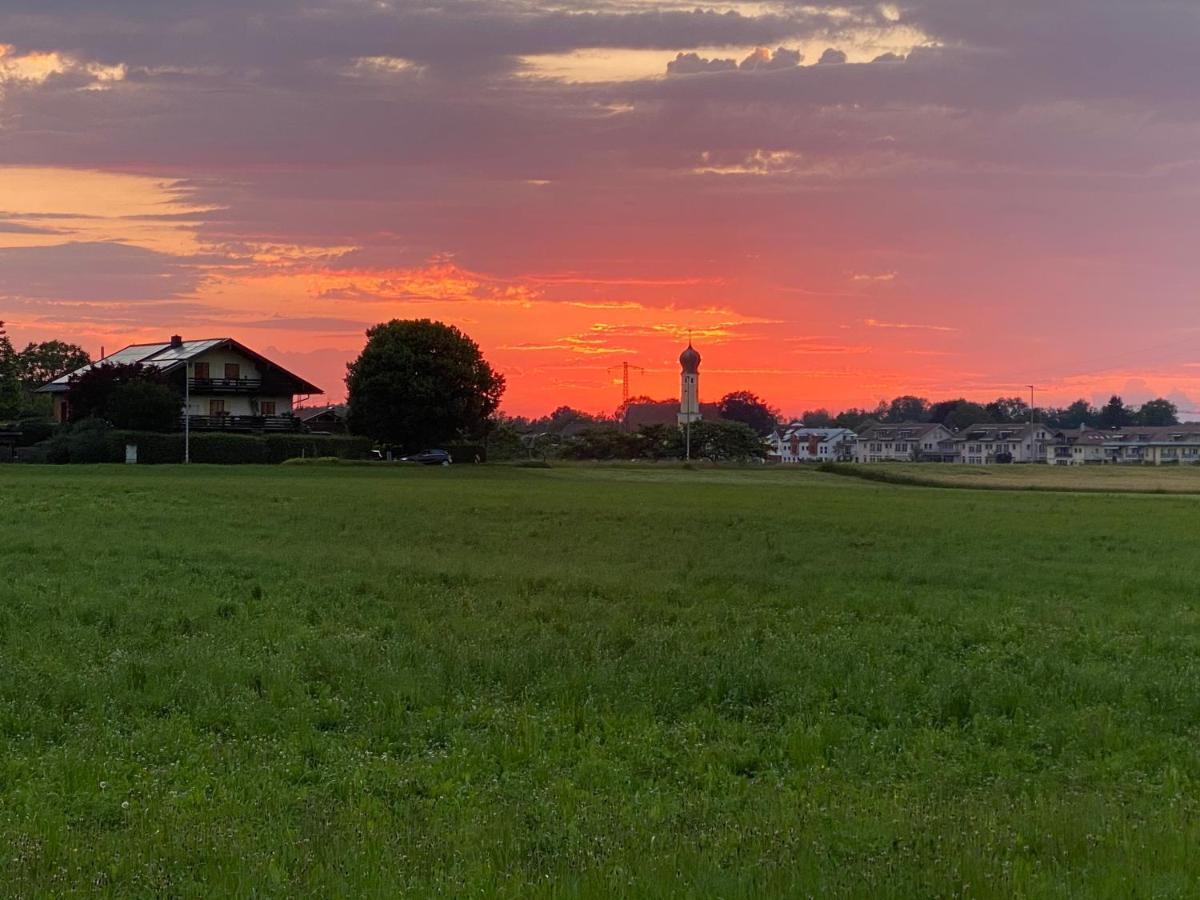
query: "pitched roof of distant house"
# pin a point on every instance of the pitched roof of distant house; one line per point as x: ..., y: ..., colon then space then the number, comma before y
x: 998, y: 432
x: 1188, y: 432
x: 899, y: 431
x: 170, y: 356
x: 307, y: 413
x: 799, y: 430
x: 666, y: 412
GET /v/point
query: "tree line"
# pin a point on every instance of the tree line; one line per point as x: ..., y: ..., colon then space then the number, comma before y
x: 961, y: 413
x: 23, y: 371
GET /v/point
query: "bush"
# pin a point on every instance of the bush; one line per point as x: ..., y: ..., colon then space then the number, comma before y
x: 34, y: 431
x: 281, y: 447
x: 89, y: 441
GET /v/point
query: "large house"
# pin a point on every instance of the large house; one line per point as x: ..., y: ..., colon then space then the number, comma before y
x: 905, y: 442
x: 982, y: 445
x: 228, y: 387
x: 796, y: 444
x: 1139, y: 444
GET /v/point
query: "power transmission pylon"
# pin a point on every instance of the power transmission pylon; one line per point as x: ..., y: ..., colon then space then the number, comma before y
x: 624, y: 368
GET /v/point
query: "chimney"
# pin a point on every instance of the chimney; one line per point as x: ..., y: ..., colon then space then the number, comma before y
x: 176, y: 341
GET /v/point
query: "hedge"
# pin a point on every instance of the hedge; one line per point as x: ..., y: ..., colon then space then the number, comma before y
x: 466, y: 453
x: 94, y: 445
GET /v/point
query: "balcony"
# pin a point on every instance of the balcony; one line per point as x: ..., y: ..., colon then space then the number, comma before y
x: 242, y: 423
x: 224, y: 385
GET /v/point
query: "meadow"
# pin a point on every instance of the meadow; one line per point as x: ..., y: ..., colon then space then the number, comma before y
x: 589, y: 681
x: 1092, y: 479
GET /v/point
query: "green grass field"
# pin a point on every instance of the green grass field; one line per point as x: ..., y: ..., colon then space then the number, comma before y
x: 1103, y: 479
x: 355, y: 681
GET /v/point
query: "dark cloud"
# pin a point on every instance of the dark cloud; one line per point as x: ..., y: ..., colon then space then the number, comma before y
x: 19, y: 228
x: 693, y: 63
x: 763, y: 60
x: 832, y: 56
x: 99, y: 272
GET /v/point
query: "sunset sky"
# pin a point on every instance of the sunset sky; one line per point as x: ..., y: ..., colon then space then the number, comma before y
x: 840, y: 202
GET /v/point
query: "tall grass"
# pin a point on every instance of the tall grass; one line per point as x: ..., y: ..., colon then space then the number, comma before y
x: 583, y: 682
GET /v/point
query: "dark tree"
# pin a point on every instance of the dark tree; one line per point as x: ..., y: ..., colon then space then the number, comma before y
x: 11, y: 395
x: 1158, y: 412
x: 143, y: 405
x: 418, y: 383
x: 561, y: 419
x: 817, y: 418
x: 940, y: 410
x: 1008, y: 409
x: 128, y: 396
x: 1116, y: 414
x: 852, y: 418
x: 722, y: 442
x: 907, y: 409
x: 42, y: 363
x: 966, y: 414
x: 750, y: 410
x: 1076, y: 415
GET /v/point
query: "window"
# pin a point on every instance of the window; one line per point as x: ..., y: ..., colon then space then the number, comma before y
x: 267, y: 408
x: 216, y: 407
x: 233, y: 371
x: 200, y: 371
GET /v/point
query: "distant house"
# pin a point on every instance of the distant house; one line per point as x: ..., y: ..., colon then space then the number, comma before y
x: 1161, y: 445
x: 983, y: 445
x: 228, y: 386
x: 327, y: 419
x: 796, y: 444
x: 905, y: 442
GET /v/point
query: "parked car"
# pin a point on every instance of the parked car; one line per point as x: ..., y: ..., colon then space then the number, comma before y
x: 429, y: 458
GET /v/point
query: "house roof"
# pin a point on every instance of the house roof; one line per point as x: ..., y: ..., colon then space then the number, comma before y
x: 900, y: 431
x: 305, y: 414
x: 168, y: 357
x: 639, y: 415
x: 1007, y: 431
x: 1188, y: 432
x: 824, y: 435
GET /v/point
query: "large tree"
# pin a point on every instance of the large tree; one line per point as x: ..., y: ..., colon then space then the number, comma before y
x: 1008, y: 409
x: 11, y: 396
x: 419, y: 383
x: 907, y: 409
x: 1115, y: 414
x: 1158, y: 412
x: 42, y: 363
x: 749, y: 409
x: 142, y: 398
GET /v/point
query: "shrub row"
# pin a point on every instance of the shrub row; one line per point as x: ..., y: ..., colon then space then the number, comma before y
x: 96, y: 445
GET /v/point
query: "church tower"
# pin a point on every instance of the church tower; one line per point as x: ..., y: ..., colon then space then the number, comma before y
x: 689, y: 386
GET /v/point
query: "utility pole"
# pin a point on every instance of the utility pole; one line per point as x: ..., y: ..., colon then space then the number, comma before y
x: 187, y: 413
x: 1031, y: 390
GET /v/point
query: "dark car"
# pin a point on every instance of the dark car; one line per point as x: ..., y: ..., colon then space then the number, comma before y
x: 429, y: 458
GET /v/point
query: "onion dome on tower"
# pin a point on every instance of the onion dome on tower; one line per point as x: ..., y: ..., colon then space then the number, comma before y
x: 689, y: 360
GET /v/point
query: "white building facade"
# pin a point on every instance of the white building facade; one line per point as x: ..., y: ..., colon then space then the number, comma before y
x: 798, y: 444
x: 985, y: 445
x: 904, y: 442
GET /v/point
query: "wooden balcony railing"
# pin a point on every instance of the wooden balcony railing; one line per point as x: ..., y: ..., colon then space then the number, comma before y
x: 243, y: 423
x: 225, y: 385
